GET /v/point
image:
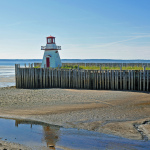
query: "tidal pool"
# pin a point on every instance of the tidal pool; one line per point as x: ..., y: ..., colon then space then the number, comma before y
x: 37, y: 134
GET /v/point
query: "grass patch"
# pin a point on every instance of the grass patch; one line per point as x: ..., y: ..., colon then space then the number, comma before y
x: 103, y: 67
x: 37, y: 67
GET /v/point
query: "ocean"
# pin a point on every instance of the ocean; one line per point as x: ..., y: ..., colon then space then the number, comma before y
x: 12, y: 62
x: 7, y: 66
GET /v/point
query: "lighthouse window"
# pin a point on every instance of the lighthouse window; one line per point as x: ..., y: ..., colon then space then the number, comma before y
x: 49, y: 40
x: 53, y: 40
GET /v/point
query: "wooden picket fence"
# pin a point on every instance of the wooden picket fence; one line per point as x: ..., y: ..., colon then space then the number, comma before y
x: 30, y: 78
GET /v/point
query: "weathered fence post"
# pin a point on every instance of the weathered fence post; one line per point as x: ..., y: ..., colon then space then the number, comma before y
x: 50, y: 78
x: 112, y: 80
x: 147, y: 80
x: 46, y: 78
x: 59, y: 78
x: 69, y: 78
x: 16, y: 75
x: 78, y: 79
x: 144, y: 78
x: 31, y: 76
x: 41, y: 77
x: 103, y: 79
x: 132, y: 80
x: 129, y: 80
x: 124, y: 80
x: 108, y: 79
x: 140, y: 80
x: 121, y: 78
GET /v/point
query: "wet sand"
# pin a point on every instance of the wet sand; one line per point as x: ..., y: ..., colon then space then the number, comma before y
x: 111, y: 112
x: 12, y: 146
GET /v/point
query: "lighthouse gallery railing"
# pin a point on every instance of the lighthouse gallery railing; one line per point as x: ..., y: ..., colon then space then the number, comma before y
x: 49, y: 48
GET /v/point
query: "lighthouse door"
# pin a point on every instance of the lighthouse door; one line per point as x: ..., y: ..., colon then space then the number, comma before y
x: 47, y: 61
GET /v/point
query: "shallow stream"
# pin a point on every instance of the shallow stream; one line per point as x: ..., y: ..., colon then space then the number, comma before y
x: 36, y: 134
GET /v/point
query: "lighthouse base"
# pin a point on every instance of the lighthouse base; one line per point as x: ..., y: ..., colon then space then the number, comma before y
x: 51, y: 59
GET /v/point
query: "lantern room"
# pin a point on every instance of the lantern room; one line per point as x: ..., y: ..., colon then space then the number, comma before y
x: 50, y: 40
x: 50, y: 44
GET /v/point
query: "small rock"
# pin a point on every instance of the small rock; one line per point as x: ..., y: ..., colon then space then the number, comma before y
x: 51, y: 146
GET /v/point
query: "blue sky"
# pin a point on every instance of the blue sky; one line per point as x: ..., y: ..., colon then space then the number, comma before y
x: 86, y: 29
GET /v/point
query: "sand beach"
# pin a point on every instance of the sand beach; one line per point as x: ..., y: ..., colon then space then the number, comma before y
x: 120, y: 113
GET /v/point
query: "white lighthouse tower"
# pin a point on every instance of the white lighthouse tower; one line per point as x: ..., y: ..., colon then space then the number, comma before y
x: 51, y: 56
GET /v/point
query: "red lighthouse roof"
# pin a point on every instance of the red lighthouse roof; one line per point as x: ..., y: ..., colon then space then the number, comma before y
x: 50, y: 36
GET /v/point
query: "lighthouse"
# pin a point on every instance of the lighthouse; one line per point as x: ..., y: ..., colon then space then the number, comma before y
x: 51, y: 56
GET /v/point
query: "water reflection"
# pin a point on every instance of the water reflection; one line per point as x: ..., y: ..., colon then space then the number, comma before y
x: 36, y: 134
x: 50, y: 137
x: 50, y: 133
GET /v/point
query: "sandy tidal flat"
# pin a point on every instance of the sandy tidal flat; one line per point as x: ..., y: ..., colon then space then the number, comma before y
x: 114, y: 112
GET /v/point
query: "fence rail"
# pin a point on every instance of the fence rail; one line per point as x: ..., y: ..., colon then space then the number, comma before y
x: 82, y: 79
